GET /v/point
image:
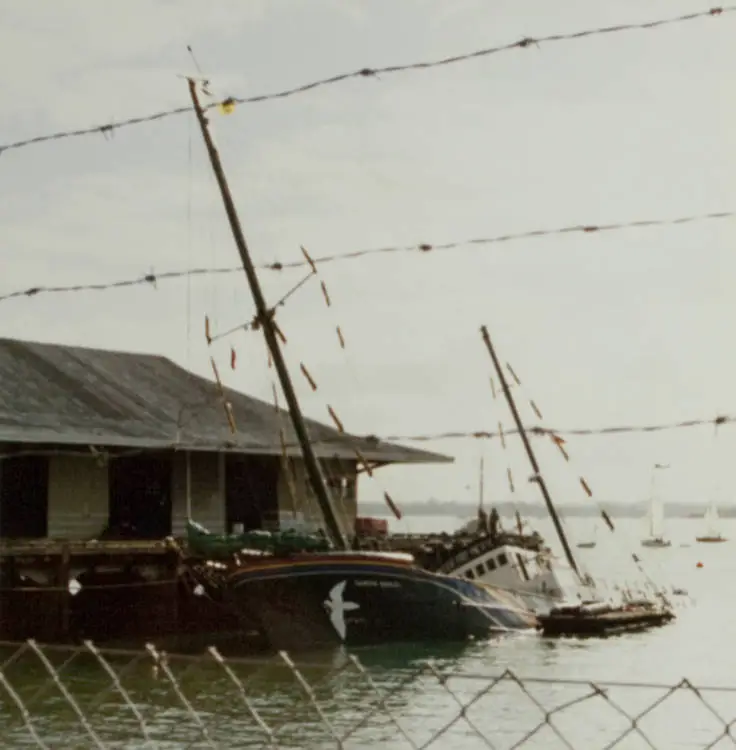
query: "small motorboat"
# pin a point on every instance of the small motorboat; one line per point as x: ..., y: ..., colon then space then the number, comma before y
x: 656, y: 542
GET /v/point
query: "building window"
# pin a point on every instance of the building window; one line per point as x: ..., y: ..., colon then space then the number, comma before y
x: 24, y: 497
x: 140, y: 502
x: 502, y: 559
x: 491, y: 563
x: 480, y: 569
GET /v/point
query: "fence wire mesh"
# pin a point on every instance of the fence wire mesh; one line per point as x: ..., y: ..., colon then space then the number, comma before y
x: 85, y: 697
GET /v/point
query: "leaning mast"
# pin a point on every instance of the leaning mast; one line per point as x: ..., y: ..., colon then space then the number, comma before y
x: 530, y: 453
x: 264, y: 315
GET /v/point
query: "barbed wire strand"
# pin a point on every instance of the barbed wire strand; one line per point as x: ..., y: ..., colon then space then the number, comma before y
x: 374, y: 73
x: 549, y: 431
x: 376, y: 441
x: 153, y: 279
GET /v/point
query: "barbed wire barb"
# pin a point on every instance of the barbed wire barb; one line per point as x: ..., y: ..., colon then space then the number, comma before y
x: 108, y: 129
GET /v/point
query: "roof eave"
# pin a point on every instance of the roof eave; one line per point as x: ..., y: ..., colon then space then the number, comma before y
x: 388, y: 454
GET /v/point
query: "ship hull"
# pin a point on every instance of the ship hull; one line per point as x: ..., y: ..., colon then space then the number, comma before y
x: 350, y: 600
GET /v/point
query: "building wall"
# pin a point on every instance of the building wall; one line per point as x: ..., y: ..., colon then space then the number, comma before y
x: 78, y: 497
x: 207, y: 488
x: 297, y: 500
x: 78, y: 500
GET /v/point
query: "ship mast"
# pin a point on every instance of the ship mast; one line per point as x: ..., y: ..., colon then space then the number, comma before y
x: 480, y: 484
x: 264, y: 316
x: 530, y: 454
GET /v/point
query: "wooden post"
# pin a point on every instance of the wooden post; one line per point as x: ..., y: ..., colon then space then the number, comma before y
x: 62, y: 581
x: 172, y: 573
x: 480, y: 484
x: 188, y: 468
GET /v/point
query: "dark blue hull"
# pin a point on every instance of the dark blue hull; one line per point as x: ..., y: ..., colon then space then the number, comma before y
x: 358, y: 600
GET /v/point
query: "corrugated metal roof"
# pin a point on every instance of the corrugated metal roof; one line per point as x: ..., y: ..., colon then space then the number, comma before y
x: 65, y: 395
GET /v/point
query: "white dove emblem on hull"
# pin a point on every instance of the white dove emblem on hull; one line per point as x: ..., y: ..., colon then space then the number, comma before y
x: 337, y: 607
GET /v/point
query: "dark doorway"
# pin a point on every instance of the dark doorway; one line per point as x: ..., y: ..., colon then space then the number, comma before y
x: 24, y: 497
x: 140, y: 497
x: 251, y: 491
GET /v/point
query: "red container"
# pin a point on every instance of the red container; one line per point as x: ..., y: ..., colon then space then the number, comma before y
x: 371, y: 526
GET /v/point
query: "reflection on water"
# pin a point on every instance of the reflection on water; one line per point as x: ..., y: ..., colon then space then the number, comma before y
x: 417, y: 689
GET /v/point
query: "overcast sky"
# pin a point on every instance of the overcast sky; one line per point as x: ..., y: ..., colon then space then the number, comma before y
x: 624, y: 328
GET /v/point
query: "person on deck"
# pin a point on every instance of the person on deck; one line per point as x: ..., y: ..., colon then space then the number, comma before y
x: 482, y: 528
x: 494, y: 523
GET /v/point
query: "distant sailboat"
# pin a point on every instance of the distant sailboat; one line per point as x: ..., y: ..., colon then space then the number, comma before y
x: 656, y: 518
x: 712, y: 533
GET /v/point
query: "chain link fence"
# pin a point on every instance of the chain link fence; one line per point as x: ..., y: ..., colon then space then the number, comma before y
x: 85, y: 697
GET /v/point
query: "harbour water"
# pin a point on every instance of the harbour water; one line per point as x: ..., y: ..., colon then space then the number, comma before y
x: 422, y: 688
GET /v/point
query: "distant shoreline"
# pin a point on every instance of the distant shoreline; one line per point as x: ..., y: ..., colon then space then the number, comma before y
x: 533, y: 510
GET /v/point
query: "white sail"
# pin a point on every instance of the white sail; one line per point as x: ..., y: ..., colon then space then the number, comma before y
x: 712, y: 520
x: 656, y: 518
x: 593, y: 540
x: 656, y: 514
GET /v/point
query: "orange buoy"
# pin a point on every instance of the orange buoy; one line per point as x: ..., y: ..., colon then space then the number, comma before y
x: 699, y: 565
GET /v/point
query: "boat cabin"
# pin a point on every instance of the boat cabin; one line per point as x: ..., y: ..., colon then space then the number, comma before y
x: 514, y: 562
